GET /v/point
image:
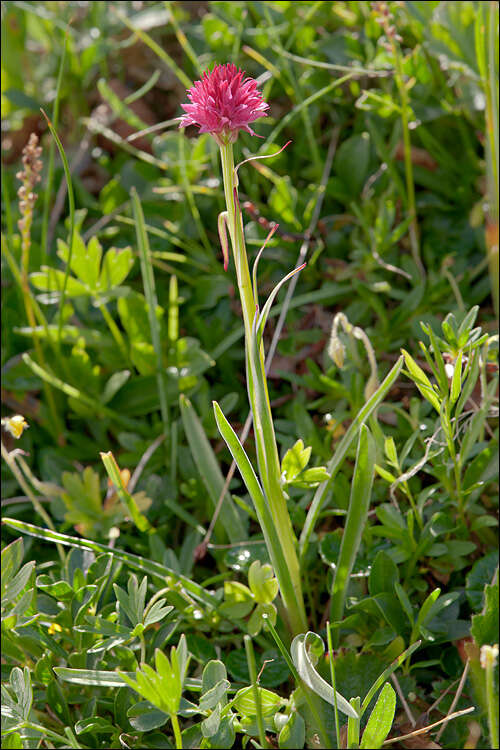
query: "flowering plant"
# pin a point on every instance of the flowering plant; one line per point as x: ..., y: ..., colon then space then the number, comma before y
x: 224, y: 102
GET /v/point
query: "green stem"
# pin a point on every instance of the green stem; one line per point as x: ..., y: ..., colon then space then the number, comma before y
x: 50, y: 169
x: 490, y: 83
x: 71, y: 238
x: 267, y: 451
x: 177, y: 731
x: 46, y: 733
x: 332, y: 675
x: 252, y: 670
x: 115, y: 331
x: 492, y: 705
x: 353, y: 725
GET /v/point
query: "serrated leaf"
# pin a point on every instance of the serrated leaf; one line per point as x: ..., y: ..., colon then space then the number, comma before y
x: 295, y: 460
x: 115, y: 268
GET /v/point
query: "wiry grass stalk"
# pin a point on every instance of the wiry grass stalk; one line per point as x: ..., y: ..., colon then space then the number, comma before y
x: 487, y: 57
x: 410, y: 184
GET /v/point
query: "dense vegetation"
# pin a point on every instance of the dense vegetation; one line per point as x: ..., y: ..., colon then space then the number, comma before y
x: 139, y: 605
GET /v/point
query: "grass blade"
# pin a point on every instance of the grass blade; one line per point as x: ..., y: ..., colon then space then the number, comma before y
x: 210, y: 472
x: 356, y: 518
x: 386, y: 674
x: 133, y: 561
x: 71, y: 202
x: 148, y: 281
x: 340, y: 453
x: 271, y: 537
x: 380, y: 721
x: 107, y: 678
x: 50, y: 169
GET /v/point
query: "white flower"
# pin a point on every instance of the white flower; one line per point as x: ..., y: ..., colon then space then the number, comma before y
x: 15, y: 425
x: 489, y: 656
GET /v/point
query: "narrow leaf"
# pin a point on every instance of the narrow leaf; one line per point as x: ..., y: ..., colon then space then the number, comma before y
x: 381, y: 718
x: 387, y: 673
x: 210, y: 472
x: 356, y: 519
x: 340, y: 453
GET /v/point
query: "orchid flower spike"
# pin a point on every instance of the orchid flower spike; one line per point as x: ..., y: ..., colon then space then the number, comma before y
x: 224, y: 102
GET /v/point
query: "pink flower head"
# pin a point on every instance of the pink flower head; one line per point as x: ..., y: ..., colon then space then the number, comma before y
x: 224, y: 102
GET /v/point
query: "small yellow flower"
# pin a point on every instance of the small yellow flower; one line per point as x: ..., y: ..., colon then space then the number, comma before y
x: 54, y: 628
x: 15, y: 425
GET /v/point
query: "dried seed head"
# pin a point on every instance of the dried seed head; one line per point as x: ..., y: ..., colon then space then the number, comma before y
x: 336, y: 350
x: 29, y: 176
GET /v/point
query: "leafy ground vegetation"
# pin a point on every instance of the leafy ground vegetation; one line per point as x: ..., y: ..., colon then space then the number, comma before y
x: 140, y: 607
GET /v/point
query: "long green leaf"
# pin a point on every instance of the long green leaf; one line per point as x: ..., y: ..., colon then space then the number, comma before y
x: 210, y: 472
x: 356, y: 518
x: 133, y: 561
x: 271, y: 536
x: 340, y: 453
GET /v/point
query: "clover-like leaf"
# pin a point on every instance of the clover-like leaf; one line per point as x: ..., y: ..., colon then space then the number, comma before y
x: 263, y: 584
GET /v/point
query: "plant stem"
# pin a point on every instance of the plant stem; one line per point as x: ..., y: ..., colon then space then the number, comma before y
x: 353, y: 725
x: 492, y: 705
x: 267, y: 451
x: 252, y: 670
x: 490, y: 84
x: 410, y: 185
x: 177, y: 731
x: 115, y: 331
x: 332, y: 675
x: 50, y: 170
